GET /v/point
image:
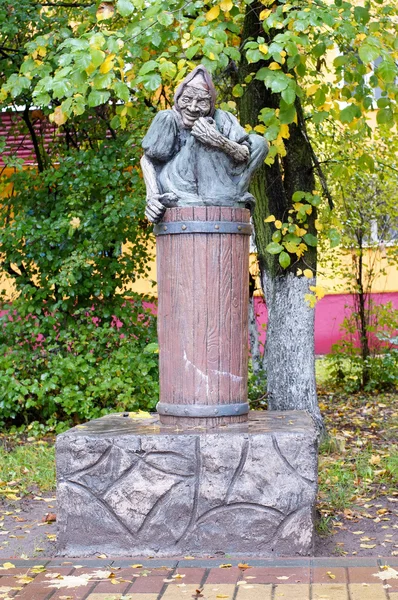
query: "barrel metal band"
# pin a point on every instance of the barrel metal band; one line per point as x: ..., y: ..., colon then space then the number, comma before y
x: 202, y: 410
x: 175, y: 227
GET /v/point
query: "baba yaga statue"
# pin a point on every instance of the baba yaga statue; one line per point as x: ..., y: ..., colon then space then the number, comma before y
x: 197, y: 155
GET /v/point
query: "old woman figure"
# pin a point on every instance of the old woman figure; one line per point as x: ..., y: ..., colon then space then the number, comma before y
x: 197, y: 155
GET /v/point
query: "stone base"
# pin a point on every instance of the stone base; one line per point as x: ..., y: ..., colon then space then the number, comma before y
x: 133, y: 487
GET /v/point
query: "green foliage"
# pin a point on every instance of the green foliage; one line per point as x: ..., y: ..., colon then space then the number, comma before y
x: 56, y: 369
x: 347, y: 366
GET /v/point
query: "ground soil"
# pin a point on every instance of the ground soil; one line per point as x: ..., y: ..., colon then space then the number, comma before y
x: 24, y: 532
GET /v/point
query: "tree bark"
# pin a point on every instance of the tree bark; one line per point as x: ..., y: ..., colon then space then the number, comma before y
x: 289, y: 353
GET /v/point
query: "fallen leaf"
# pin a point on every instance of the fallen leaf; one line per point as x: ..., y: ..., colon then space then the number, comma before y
x: 331, y: 575
x: 49, y: 518
x: 69, y: 581
x: 226, y: 566
x: 136, y: 566
x: 368, y: 546
x: 283, y: 577
x: 388, y: 573
x: 7, y: 565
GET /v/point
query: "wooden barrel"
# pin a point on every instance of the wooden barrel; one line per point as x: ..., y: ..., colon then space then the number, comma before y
x: 203, y: 293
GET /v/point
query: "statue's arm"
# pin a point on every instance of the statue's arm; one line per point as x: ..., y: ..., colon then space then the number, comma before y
x: 156, y: 202
x: 205, y: 131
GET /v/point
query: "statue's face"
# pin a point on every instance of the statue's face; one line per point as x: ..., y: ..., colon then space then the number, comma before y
x: 192, y: 104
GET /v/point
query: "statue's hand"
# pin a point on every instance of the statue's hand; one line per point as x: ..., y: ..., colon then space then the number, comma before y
x: 204, y: 130
x: 156, y: 206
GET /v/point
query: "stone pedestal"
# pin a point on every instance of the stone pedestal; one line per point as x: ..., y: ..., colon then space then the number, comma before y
x: 134, y: 487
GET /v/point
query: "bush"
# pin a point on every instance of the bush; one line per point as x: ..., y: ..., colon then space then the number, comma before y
x: 73, y: 237
x: 63, y: 374
x: 347, y: 366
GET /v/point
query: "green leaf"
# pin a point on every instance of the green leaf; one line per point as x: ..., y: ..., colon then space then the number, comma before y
x: 310, y: 239
x: 277, y: 236
x: 124, y: 7
x: 287, y: 113
x: 165, y: 18
x: 150, y: 65
x: 284, y: 260
x: 102, y: 80
x: 361, y: 14
x: 334, y: 238
x: 152, y: 81
x: 366, y: 161
x: 190, y: 52
x: 168, y: 69
x: 274, y: 248
x: 289, y: 95
x: 297, y: 196
x: 387, y: 71
x: 349, y: 113
x: 368, y: 53
x: 385, y: 116
x: 122, y: 91
x: 97, y: 97
x: 238, y: 91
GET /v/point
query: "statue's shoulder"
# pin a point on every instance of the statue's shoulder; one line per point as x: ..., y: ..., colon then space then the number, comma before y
x: 229, y: 125
x: 166, y: 116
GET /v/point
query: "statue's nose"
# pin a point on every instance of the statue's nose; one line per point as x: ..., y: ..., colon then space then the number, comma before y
x: 194, y: 105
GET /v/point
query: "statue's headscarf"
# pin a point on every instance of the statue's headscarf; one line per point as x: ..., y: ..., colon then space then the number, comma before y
x: 205, y: 83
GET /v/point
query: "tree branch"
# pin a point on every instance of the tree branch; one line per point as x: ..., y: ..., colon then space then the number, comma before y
x: 26, y: 118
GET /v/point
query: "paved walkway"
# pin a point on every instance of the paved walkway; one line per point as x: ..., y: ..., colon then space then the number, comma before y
x: 165, y: 579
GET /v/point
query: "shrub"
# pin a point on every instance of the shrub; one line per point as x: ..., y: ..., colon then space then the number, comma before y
x: 67, y: 373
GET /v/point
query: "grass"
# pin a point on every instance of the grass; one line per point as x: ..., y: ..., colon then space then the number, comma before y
x: 25, y: 466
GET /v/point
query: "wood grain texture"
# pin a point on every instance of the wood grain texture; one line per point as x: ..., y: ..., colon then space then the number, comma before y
x: 203, y: 292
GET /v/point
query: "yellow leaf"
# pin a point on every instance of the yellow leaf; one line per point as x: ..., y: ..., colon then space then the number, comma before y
x: 260, y: 128
x: 58, y: 117
x: 308, y: 209
x: 226, y: 5
x: 105, y: 11
x: 284, y: 131
x: 299, y: 272
x: 264, y: 14
x: 108, y: 63
x: 280, y: 146
x: 269, y: 219
x: 318, y: 225
x: 222, y: 596
x: 115, y: 581
x: 225, y: 566
x: 24, y: 579
x: 297, y: 206
x: 177, y: 576
x: 368, y: 546
x: 136, y: 566
x: 7, y: 565
x: 374, y: 459
x: 274, y: 66
x: 312, y: 89
x: 278, y: 224
x: 213, y: 13
x: 141, y: 414
x: 308, y: 273
x: 318, y: 290
x: 301, y: 249
x: 310, y: 299
x: 263, y: 48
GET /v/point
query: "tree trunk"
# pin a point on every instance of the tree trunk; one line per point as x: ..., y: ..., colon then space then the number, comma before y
x: 289, y: 353
x: 257, y: 359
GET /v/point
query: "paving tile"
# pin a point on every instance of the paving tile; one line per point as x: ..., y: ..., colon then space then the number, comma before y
x: 393, y: 595
x: 192, y: 575
x: 126, y: 597
x: 147, y: 585
x: 323, y: 575
x: 359, y: 591
x: 107, y: 587
x: 33, y: 594
x: 177, y: 593
x: 287, y: 591
x: 75, y: 594
x: 218, y: 575
x: 272, y: 575
x: 362, y: 574
x: 254, y: 592
x: 332, y: 591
